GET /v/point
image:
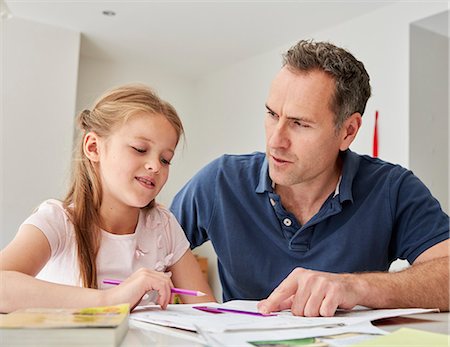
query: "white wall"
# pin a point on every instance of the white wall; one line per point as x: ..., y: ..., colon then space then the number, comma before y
x: 429, y: 155
x: 39, y: 76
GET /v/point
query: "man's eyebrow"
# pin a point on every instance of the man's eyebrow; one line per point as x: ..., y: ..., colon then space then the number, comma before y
x: 270, y: 110
x: 300, y: 119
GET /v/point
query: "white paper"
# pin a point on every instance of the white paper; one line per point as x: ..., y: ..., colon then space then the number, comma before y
x: 149, y: 329
x: 347, y: 341
x: 243, y: 338
x: 186, y: 317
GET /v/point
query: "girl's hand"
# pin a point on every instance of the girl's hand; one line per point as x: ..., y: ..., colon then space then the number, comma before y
x: 137, y: 285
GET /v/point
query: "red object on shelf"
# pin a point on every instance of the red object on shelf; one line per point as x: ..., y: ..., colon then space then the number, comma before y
x: 375, y: 136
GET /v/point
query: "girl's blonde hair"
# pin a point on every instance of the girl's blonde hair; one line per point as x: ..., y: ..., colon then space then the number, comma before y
x: 84, y: 198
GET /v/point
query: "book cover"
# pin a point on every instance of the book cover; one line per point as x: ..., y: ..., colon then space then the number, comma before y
x: 92, y: 326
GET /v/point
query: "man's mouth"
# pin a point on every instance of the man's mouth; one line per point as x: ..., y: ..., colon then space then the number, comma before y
x: 279, y: 160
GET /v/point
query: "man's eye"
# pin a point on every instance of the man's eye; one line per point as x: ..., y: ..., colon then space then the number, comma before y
x: 302, y: 125
x: 272, y: 114
x: 140, y: 150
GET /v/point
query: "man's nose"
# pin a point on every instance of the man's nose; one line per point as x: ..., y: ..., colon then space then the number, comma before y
x: 279, y: 137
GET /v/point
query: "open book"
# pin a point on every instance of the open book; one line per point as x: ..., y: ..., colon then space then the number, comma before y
x: 99, y: 326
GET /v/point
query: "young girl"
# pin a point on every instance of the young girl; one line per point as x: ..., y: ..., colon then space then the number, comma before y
x: 109, y: 225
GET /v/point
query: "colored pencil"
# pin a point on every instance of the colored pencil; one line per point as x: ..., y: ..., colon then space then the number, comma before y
x: 173, y: 290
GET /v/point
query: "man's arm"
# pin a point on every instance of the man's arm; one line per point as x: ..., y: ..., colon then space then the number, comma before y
x: 314, y: 293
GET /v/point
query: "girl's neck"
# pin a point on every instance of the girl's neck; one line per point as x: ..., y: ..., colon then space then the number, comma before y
x: 119, y: 221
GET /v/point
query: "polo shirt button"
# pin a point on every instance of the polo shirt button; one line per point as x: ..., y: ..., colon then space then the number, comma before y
x: 287, y: 222
x: 272, y: 202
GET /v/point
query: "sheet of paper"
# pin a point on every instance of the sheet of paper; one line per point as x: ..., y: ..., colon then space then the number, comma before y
x: 408, y: 337
x: 345, y: 340
x: 358, y: 314
x: 148, y: 331
x: 243, y: 338
x: 185, y: 317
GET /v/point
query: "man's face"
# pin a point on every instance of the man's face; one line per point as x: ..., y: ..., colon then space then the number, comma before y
x: 302, y: 143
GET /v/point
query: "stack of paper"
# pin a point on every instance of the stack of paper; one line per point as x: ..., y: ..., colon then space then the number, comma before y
x: 246, y: 327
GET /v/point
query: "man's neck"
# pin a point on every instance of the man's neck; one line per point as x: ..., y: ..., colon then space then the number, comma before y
x: 305, y: 199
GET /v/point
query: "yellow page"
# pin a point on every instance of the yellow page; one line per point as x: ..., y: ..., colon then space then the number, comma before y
x: 408, y: 337
x: 106, y: 316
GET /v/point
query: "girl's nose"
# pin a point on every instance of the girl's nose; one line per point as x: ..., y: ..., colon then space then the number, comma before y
x: 153, y: 165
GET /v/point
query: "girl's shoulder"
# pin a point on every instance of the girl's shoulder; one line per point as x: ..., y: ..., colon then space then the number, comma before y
x: 53, y: 220
x: 52, y: 209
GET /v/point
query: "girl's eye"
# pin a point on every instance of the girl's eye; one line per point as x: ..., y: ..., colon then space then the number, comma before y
x: 165, y: 162
x: 140, y: 150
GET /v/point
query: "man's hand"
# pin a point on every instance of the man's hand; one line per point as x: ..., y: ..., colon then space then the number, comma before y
x: 314, y: 293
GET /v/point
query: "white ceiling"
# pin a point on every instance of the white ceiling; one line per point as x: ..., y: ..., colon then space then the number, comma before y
x: 189, y: 37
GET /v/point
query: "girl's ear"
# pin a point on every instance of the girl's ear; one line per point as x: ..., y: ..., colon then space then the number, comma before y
x: 91, y: 146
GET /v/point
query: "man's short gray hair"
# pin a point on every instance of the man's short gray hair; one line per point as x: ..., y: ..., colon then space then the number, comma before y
x: 351, y: 78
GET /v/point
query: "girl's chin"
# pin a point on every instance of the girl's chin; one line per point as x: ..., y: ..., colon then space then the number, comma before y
x: 146, y: 203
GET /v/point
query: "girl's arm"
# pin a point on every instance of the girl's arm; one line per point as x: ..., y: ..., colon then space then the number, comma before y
x: 186, y: 274
x: 19, y: 290
x: 20, y: 261
x: 27, y: 254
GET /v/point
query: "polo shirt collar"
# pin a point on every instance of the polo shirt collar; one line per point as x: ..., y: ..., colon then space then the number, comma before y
x: 265, y: 183
x: 349, y: 169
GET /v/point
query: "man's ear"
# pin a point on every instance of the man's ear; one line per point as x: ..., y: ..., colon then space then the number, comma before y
x: 91, y: 146
x: 349, y: 130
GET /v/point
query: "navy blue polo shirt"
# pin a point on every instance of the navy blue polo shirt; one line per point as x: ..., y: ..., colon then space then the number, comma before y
x: 381, y: 212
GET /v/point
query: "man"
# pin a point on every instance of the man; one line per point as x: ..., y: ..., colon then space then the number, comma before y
x: 310, y: 225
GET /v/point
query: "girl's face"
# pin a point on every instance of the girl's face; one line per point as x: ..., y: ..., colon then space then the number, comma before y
x: 134, y: 160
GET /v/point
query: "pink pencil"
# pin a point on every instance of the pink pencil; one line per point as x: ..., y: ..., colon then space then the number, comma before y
x: 173, y: 290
